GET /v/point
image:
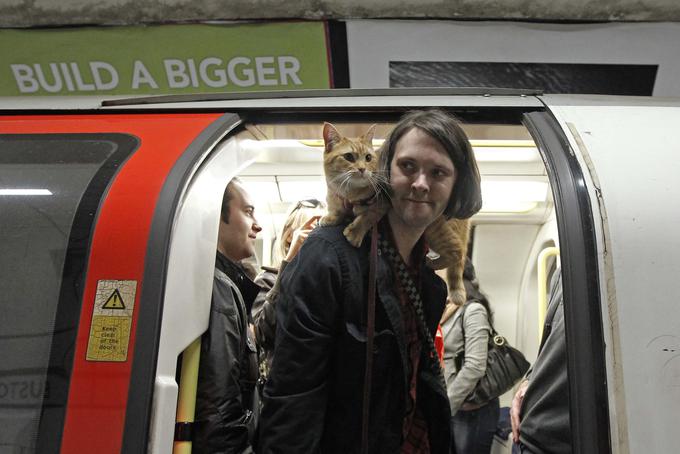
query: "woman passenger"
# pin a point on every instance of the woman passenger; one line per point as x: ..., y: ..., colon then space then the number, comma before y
x: 473, y: 425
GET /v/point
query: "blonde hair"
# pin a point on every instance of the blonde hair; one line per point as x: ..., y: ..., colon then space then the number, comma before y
x: 296, y: 217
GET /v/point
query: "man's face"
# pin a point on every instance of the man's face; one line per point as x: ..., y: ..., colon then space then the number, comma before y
x: 236, y: 240
x: 422, y: 177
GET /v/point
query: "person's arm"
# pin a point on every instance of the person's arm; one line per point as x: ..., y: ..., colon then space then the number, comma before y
x: 477, y: 331
x: 295, y: 395
x: 262, y: 312
x: 264, y: 307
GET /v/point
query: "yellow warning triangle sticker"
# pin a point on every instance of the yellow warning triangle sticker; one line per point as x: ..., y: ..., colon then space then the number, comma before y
x: 115, y: 301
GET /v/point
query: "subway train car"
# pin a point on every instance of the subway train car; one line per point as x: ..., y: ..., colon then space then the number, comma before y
x: 108, y: 228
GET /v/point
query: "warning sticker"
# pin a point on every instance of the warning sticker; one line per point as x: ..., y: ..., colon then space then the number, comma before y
x: 111, y: 320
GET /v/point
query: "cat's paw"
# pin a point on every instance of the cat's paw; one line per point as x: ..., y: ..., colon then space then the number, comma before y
x: 353, y: 235
x: 458, y: 296
x: 329, y: 220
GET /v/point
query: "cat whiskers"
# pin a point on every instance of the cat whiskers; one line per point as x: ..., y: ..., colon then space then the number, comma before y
x: 382, y: 185
x: 374, y: 182
x: 381, y: 177
x: 343, y: 185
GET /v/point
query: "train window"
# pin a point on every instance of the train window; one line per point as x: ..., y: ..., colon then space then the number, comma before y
x: 50, y: 187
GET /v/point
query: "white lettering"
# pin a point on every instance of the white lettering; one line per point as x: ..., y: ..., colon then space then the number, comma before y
x: 263, y: 71
x: 176, y: 73
x: 249, y: 80
x: 289, y: 67
x: 141, y: 75
x: 23, y: 75
x: 56, y: 86
x: 79, y: 79
x: 67, y: 77
x: 220, y: 74
x: 192, y: 72
x: 97, y: 67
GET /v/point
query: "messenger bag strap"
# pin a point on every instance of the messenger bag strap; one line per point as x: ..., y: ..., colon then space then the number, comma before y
x: 370, y: 335
x: 411, y: 290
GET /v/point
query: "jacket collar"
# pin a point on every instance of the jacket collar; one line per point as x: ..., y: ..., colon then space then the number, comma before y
x: 235, y: 272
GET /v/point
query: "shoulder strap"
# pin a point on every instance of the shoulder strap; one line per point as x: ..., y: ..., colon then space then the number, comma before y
x: 370, y: 335
x: 493, y: 332
x: 462, y: 320
x: 411, y: 290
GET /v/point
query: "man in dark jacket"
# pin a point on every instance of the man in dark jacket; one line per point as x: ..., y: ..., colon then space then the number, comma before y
x: 227, y: 401
x: 540, y: 409
x: 314, y: 397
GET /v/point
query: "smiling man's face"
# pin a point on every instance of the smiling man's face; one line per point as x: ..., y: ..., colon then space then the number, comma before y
x: 236, y: 239
x: 422, y: 176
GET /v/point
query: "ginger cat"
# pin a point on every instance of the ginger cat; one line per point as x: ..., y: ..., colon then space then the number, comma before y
x: 355, y: 189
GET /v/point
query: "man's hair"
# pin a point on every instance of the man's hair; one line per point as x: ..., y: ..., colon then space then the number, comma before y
x: 226, y: 199
x: 466, y: 195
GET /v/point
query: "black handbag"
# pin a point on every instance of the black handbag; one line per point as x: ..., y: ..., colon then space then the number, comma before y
x: 505, y: 366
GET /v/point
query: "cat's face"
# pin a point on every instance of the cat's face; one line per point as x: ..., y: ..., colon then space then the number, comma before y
x: 349, y: 164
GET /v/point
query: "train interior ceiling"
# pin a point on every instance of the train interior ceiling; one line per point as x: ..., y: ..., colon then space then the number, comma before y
x: 515, y: 224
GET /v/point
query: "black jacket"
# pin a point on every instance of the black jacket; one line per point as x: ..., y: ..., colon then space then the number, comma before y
x: 313, y: 398
x: 544, y: 415
x: 227, y: 400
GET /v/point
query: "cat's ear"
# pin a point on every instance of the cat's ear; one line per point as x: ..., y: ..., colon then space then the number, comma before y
x: 368, y: 135
x: 331, y: 136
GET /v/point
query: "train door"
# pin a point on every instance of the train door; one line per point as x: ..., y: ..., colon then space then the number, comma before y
x: 86, y: 207
x: 531, y: 190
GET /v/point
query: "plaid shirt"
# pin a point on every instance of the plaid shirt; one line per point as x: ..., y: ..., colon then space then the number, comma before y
x: 415, y: 427
x: 415, y: 432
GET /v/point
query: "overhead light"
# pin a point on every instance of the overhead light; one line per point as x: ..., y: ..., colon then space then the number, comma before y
x: 502, y: 151
x: 261, y: 189
x: 512, y: 196
x: 275, y: 143
x: 319, y: 143
x: 25, y: 192
x: 293, y: 190
x: 287, y: 189
x: 485, y: 150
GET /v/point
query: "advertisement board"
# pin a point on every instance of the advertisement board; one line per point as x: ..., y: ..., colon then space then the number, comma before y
x: 165, y: 59
x: 607, y: 58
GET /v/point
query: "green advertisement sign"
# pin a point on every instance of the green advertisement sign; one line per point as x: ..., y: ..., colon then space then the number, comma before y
x: 165, y: 59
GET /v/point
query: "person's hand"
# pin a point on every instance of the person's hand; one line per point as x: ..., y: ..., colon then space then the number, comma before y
x: 299, y: 237
x: 515, y: 408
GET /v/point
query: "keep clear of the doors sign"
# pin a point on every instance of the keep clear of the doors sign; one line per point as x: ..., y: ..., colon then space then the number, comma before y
x: 111, y: 320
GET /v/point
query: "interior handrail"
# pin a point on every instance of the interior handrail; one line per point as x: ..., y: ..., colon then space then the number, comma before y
x: 186, y: 402
x: 543, y: 257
